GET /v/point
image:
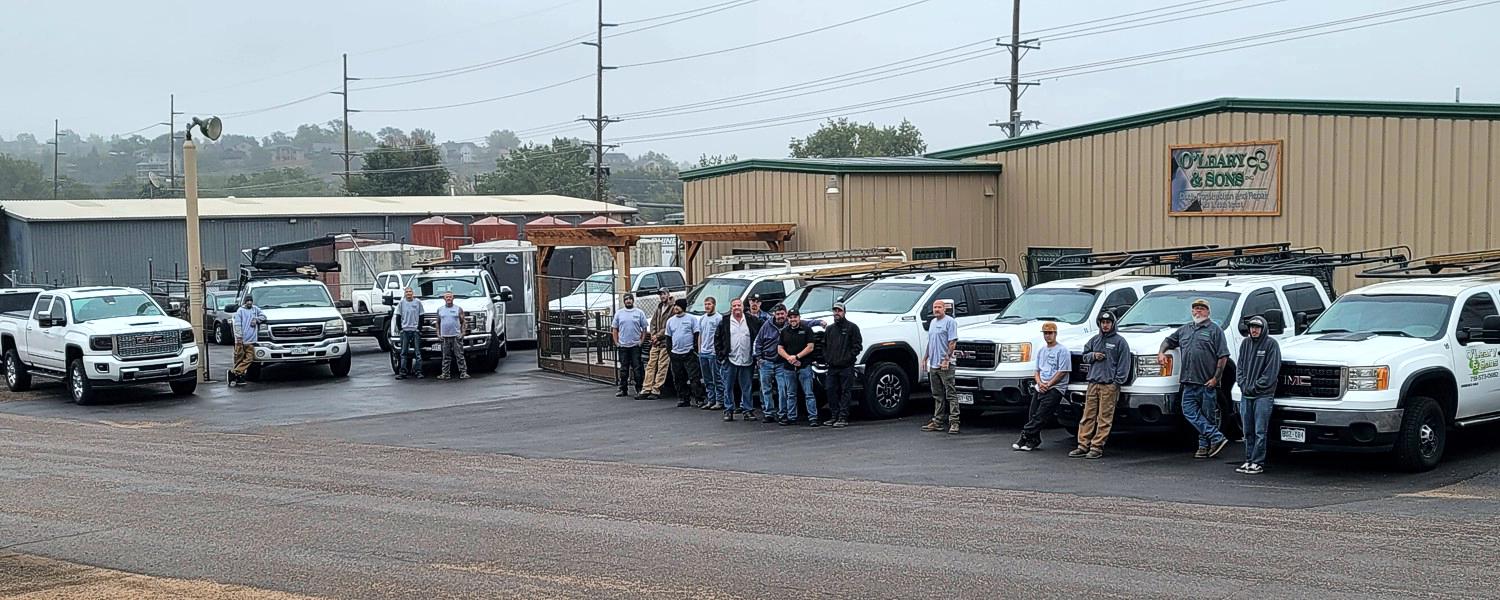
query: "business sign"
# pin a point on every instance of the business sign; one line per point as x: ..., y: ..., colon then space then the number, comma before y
x: 1241, y: 179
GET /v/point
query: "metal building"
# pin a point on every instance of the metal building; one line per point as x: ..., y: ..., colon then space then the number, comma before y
x: 1337, y: 174
x: 126, y: 241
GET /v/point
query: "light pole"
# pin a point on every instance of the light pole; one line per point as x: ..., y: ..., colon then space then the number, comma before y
x: 211, y: 130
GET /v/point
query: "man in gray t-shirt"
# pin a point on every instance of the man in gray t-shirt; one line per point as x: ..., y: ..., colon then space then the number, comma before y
x: 1204, y: 356
x: 942, y: 338
x: 450, y: 331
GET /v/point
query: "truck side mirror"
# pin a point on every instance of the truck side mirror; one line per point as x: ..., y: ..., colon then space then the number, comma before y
x: 505, y: 294
x: 343, y: 304
x: 44, y: 319
x: 1464, y: 337
x: 1302, y: 320
x: 388, y: 300
x: 1490, y: 333
x: 1275, y: 322
x: 393, y: 285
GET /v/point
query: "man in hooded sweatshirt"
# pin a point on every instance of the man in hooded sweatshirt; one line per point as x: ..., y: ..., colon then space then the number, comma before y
x: 1258, y: 365
x: 1108, y: 359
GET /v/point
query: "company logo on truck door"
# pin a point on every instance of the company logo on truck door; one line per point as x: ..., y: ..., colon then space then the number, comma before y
x: 1484, y: 363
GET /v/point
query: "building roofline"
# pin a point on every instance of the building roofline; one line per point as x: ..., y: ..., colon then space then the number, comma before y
x: 836, y: 167
x: 1430, y: 110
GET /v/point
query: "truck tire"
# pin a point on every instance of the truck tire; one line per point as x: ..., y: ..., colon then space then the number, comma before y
x: 381, y: 337
x: 396, y: 362
x: 887, y: 391
x: 1423, y: 436
x: 490, y: 360
x: 184, y: 387
x: 17, y: 376
x: 341, y: 365
x: 80, y: 389
x: 222, y: 337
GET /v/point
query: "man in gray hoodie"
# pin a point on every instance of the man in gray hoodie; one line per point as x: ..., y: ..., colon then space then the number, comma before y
x: 1258, y: 365
x: 1108, y: 358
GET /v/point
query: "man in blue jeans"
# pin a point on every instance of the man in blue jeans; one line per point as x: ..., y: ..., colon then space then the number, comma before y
x: 1205, y: 353
x: 708, y: 359
x: 734, y: 340
x: 768, y: 363
x: 409, y: 323
x: 796, y: 344
x: 1256, y: 370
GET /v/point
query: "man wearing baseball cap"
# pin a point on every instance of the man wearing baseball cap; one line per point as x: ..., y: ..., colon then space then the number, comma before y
x: 1108, y: 358
x: 842, y: 344
x: 796, y: 372
x: 1205, y: 353
x: 1256, y: 370
x: 1053, y: 363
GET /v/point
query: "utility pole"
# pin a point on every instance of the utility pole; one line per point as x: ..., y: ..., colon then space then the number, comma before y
x: 172, y: 141
x: 1013, y: 125
x: 347, y: 154
x: 599, y: 121
x: 56, y: 153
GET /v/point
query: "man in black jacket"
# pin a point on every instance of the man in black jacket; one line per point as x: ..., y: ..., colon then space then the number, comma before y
x: 1256, y: 371
x: 734, y: 343
x: 842, y: 344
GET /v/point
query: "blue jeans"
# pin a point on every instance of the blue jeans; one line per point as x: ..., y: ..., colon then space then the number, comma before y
x: 789, y: 378
x: 411, y: 351
x: 770, y: 404
x: 1255, y: 416
x: 713, y: 380
x: 736, y: 376
x: 1200, y: 405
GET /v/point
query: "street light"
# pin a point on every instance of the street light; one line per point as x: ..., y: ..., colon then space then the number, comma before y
x: 211, y: 130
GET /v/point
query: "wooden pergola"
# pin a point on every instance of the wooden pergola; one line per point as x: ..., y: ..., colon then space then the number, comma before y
x: 620, y: 240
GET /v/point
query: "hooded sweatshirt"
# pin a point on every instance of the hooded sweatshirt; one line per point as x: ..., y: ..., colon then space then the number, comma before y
x: 1258, y: 365
x: 1115, y: 368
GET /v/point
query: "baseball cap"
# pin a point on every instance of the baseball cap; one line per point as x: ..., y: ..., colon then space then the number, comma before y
x: 793, y: 313
x: 1049, y: 327
x: 1257, y: 321
x: 1200, y: 302
x: 755, y: 297
x: 1106, y: 316
x: 838, y: 306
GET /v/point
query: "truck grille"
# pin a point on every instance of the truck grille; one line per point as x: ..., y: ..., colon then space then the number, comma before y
x: 976, y: 355
x: 1309, y: 381
x: 148, y: 344
x: 299, y: 331
x: 1080, y: 372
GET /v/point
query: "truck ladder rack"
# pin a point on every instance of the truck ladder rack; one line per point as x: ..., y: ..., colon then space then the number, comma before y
x: 1300, y: 260
x: 1172, y: 258
x: 993, y: 265
x: 878, y: 253
x: 1461, y: 264
x: 448, y: 263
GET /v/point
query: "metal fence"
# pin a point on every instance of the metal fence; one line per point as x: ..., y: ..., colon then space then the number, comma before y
x: 574, y: 330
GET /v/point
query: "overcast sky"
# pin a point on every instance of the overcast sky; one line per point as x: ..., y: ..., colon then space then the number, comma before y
x: 108, y: 66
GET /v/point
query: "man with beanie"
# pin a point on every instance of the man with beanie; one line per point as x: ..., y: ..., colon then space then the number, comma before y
x: 658, y: 360
x: 1259, y: 364
x: 842, y: 344
x: 1108, y: 359
x: 1205, y: 353
x: 1053, y: 366
x: 682, y: 339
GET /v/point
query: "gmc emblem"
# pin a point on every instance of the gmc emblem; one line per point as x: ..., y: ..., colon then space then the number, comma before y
x: 1297, y: 380
x: 965, y: 354
x: 151, y: 339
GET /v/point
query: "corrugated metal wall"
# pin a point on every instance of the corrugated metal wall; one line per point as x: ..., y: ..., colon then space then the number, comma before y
x: 1350, y: 183
x: 906, y: 211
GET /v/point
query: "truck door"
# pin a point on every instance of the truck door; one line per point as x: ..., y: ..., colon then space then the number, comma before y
x: 1476, y: 364
x: 46, y: 344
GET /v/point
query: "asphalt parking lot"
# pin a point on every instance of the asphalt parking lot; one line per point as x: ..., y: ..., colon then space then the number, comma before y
x: 284, y: 467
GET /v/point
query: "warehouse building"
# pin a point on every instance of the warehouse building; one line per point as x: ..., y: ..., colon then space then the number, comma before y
x: 130, y: 240
x: 1341, y: 175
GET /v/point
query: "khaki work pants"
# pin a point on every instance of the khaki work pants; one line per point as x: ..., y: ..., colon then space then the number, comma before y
x: 1098, y: 415
x: 657, y: 366
x: 244, y: 355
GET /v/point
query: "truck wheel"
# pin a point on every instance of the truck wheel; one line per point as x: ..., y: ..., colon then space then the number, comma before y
x: 382, y: 326
x: 341, y: 365
x: 396, y: 362
x: 184, y: 387
x: 490, y: 360
x: 79, y: 386
x: 17, y: 376
x: 1424, y: 435
x: 219, y: 337
x: 504, y: 350
x: 887, y: 391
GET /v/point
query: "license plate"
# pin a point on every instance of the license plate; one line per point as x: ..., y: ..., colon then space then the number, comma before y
x: 1294, y: 434
x: 298, y: 352
x: 965, y: 398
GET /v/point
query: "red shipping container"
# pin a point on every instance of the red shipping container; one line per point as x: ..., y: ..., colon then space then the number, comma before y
x: 490, y: 229
x: 440, y: 232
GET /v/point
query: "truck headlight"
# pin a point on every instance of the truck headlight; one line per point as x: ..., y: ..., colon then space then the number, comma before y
x: 101, y: 343
x: 1369, y: 379
x: 186, y: 337
x: 263, y: 330
x: 1147, y: 365
x: 1016, y: 352
x: 481, y: 320
x: 333, y: 326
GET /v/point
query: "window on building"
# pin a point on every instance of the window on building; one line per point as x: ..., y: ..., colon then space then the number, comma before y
x: 934, y: 253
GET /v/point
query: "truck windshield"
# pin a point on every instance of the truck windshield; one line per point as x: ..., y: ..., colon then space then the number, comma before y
x: 110, y: 307
x: 886, y: 298
x: 291, y: 296
x: 429, y: 287
x: 1175, y: 308
x: 721, y: 289
x: 1398, y: 315
x: 1050, y: 304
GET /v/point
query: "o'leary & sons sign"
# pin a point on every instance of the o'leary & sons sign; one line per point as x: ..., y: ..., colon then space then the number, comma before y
x: 1238, y: 179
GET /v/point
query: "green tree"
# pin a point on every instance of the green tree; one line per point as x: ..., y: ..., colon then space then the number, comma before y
x: 280, y: 182
x: 562, y: 167
x: 502, y: 139
x: 843, y: 138
x: 22, y: 179
x: 402, y: 165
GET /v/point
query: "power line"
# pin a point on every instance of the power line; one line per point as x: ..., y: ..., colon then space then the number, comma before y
x: 480, y: 101
x: 689, y: 11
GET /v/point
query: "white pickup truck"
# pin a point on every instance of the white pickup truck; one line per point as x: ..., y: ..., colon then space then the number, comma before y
x: 996, y: 360
x: 95, y: 337
x: 893, y: 314
x: 475, y: 291
x: 303, y: 325
x: 1391, y: 367
x: 369, y: 314
x: 1152, y: 399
